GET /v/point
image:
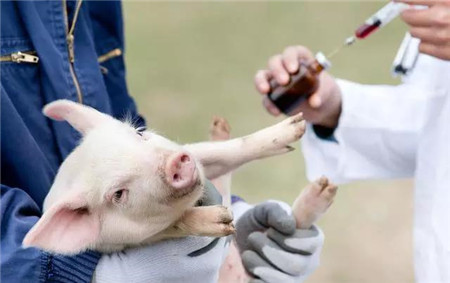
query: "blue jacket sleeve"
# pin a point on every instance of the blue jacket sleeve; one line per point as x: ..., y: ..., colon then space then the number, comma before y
x: 19, y: 213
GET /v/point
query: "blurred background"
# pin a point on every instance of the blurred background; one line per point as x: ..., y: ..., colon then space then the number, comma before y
x: 188, y: 61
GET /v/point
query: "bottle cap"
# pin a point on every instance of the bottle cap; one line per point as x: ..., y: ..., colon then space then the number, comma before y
x: 320, y: 57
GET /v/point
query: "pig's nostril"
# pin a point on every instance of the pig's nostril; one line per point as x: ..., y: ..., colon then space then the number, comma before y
x: 181, y: 171
x: 185, y: 158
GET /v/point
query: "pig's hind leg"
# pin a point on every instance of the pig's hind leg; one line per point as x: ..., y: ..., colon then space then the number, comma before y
x: 221, y: 157
x: 220, y: 131
x: 313, y: 202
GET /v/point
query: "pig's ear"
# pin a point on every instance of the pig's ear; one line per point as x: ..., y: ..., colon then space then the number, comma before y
x: 68, y: 227
x: 81, y: 117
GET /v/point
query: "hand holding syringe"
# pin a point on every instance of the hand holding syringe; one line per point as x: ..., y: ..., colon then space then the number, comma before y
x: 381, y: 18
x: 305, y: 82
x: 286, y: 85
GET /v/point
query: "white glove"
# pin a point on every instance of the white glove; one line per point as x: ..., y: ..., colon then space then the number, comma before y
x: 190, y: 259
x: 272, y: 249
x: 184, y: 260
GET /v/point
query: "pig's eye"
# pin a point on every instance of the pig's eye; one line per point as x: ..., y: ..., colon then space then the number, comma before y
x: 120, y: 196
x: 140, y: 131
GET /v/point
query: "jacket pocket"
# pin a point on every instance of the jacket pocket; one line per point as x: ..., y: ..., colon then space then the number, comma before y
x: 21, y: 79
x: 21, y: 57
x: 108, y: 56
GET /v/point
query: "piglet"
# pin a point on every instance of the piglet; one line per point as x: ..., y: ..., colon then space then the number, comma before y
x: 122, y: 187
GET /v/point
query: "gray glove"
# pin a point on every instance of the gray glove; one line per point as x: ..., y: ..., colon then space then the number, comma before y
x: 272, y: 249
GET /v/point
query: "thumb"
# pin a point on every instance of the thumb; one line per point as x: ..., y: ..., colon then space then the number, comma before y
x: 273, y: 214
x: 315, y: 101
x: 260, y: 218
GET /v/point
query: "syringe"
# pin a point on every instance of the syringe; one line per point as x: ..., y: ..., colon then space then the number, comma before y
x: 381, y: 18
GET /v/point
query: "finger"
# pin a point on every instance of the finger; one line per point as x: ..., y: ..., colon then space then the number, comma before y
x: 211, y: 195
x: 262, y: 79
x: 271, y: 275
x: 315, y: 101
x: 420, y: 2
x: 272, y: 215
x: 291, y: 59
x: 278, y: 71
x: 304, y: 241
x: 260, y: 218
x: 442, y: 52
x: 252, y: 260
x: 259, y: 268
x: 418, y: 18
x: 287, y: 262
x: 303, y: 53
x: 435, y: 36
x: 271, y: 107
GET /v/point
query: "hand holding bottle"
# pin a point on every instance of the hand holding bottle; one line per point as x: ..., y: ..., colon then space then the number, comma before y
x: 323, y: 107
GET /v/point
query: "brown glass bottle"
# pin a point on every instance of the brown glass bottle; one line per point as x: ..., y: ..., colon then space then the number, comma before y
x: 301, y: 85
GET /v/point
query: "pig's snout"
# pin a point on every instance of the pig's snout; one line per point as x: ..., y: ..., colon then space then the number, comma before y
x: 181, y: 171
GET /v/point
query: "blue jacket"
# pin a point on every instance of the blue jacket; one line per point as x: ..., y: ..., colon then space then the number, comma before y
x: 32, y: 146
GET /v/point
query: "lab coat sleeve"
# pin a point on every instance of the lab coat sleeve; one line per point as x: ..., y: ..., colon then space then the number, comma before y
x: 376, y: 137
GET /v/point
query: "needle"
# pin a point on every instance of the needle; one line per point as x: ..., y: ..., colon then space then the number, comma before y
x: 349, y: 41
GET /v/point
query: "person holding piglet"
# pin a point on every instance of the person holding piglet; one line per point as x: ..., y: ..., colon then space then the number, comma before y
x: 74, y: 50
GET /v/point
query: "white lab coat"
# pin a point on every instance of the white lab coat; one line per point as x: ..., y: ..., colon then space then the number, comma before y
x: 395, y: 132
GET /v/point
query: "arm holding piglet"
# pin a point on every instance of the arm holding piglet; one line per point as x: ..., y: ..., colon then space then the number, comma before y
x: 271, y: 234
x: 19, y: 212
x: 25, y: 175
x: 294, y: 241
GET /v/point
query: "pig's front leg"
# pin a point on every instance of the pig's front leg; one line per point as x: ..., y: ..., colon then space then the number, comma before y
x: 221, y: 157
x: 212, y: 221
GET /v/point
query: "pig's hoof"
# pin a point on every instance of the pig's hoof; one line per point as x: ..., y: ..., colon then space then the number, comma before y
x: 225, y: 215
x: 220, y: 129
x: 299, y: 125
x: 229, y: 229
x: 313, y: 201
x: 224, y: 223
x: 320, y: 193
x: 285, y: 133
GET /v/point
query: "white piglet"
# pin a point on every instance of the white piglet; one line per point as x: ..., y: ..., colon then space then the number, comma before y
x: 122, y: 187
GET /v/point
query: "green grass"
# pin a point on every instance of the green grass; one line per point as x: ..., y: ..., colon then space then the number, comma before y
x: 188, y: 61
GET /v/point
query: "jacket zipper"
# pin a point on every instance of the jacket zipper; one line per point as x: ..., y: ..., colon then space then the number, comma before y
x: 70, y: 46
x: 21, y: 57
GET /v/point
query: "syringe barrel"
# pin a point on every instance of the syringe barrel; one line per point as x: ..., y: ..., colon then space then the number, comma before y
x: 387, y: 13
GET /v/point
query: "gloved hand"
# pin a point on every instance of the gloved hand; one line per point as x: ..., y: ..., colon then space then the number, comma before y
x: 184, y: 260
x: 272, y: 249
